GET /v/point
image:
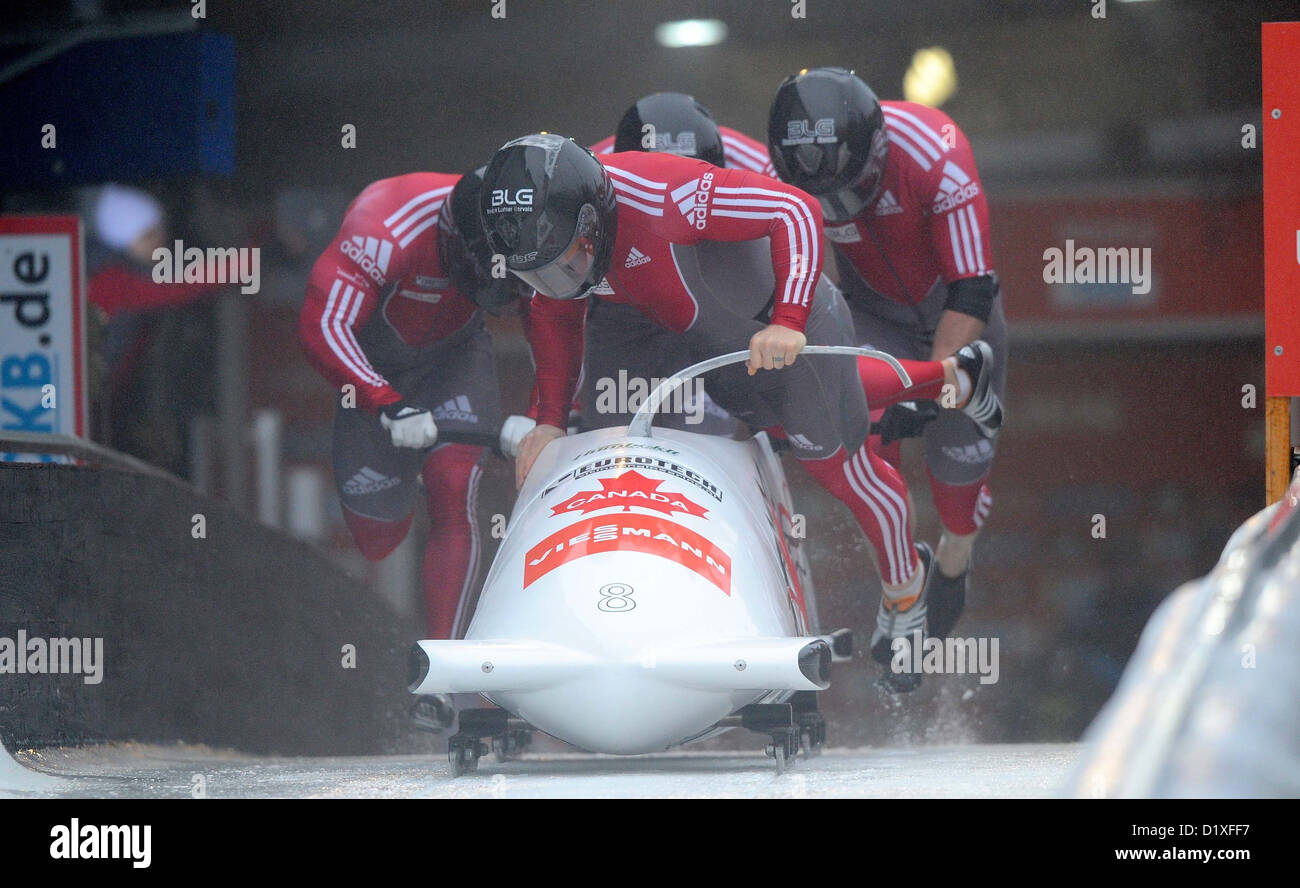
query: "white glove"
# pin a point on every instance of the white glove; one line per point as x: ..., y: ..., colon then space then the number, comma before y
x: 409, y: 426
x: 513, y: 431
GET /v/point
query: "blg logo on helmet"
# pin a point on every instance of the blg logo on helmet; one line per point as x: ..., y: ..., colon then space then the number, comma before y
x: 506, y: 201
x: 799, y: 132
x: 684, y: 144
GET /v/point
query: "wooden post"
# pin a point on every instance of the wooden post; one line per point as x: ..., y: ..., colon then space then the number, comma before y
x: 1277, y: 447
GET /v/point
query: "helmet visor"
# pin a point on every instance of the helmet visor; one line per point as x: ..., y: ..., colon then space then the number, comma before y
x: 843, y: 205
x: 568, y: 276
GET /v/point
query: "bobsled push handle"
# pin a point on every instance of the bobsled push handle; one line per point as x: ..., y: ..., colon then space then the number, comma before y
x: 640, y: 426
x: 503, y: 441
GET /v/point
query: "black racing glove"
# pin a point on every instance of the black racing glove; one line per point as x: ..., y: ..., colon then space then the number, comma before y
x: 907, y: 419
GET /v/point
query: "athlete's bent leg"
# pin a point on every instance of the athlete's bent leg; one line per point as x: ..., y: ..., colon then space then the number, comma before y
x: 876, y: 494
x: 376, y: 537
x: 962, y: 509
x: 883, y: 387
x: 451, y: 557
x: 375, y: 482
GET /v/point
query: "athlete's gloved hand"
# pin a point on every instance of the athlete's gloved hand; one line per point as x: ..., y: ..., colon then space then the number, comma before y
x: 907, y: 419
x: 409, y: 425
x: 513, y: 431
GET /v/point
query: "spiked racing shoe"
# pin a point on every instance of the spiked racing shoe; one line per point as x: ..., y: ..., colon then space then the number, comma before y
x: 945, y: 600
x: 433, y: 713
x: 901, y: 619
x: 983, y: 405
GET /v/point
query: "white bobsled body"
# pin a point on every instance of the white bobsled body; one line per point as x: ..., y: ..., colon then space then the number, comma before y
x: 645, y: 589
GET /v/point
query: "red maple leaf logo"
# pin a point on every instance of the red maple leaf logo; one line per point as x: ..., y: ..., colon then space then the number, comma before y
x: 625, y: 491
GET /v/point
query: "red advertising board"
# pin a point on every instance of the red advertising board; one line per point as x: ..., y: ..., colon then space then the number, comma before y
x: 1281, y: 142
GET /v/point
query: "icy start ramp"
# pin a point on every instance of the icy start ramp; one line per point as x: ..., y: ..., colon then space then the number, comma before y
x: 979, y: 771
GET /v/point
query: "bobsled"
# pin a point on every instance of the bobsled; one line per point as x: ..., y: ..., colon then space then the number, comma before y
x: 652, y: 588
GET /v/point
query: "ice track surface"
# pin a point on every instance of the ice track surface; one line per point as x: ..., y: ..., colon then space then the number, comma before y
x: 129, y: 771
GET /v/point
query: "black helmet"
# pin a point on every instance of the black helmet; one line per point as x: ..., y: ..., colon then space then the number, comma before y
x: 547, y: 205
x: 826, y: 134
x: 680, y: 124
x: 465, y: 254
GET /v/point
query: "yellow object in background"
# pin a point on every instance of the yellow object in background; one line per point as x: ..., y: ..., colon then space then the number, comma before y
x: 932, y: 78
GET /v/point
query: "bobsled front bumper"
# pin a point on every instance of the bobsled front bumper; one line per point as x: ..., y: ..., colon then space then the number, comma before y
x: 739, y: 664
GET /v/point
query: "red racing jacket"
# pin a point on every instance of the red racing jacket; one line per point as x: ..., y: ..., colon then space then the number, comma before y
x: 378, y: 297
x: 741, y: 152
x: 930, y: 218
x: 666, y: 201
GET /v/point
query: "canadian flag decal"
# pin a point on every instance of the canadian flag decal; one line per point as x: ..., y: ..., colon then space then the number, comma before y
x: 625, y: 491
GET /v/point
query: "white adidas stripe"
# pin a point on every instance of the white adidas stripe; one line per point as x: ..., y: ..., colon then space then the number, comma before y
x: 739, y: 154
x: 419, y: 229
x: 637, y: 205
x: 799, y: 296
x: 649, y: 183
x: 902, y: 142
x: 925, y: 130
x: 955, y: 244
x: 358, y: 297
x: 981, y: 265
x: 902, y: 129
x: 339, y: 338
x: 414, y: 202
x: 890, y: 568
x: 327, y: 322
x: 952, y: 171
x: 887, y: 517
x: 803, y: 237
x: 982, y: 508
x: 965, y: 240
x: 471, y: 569
x: 414, y: 217
x: 426, y: 218
x: 624, y: 188
x: 886, y: 494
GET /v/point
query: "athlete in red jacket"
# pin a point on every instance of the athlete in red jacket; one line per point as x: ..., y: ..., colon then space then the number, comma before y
x: 734, y: 262
x: 675, y: 123
x: 908, y: 223
x: 394, y: 319
x: 622, y: 344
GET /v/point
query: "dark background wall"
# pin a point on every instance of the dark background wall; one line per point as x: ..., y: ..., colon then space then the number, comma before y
x: 234, y: 640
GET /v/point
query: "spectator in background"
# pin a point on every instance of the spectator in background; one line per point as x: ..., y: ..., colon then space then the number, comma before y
x: 145, y: 363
